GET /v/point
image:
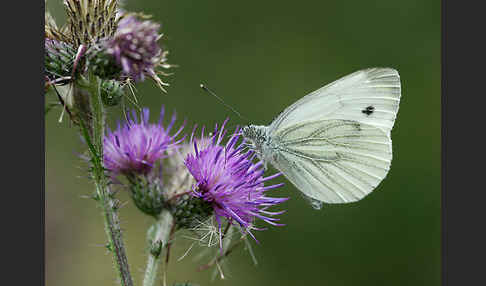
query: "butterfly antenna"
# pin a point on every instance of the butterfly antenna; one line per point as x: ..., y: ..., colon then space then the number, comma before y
x: 222, y: 101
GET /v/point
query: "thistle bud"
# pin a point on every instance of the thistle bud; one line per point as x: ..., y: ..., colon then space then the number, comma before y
x: 147, y: 194
x: 104, y: 65
x: 111, y: 92
x: 58, y: 59
x: 188, y: 211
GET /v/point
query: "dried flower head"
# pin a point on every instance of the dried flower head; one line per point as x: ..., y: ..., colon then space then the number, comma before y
x: 227, y: 178
x: 134, y: 147
x: 52, y: 31
x: 91, y: 20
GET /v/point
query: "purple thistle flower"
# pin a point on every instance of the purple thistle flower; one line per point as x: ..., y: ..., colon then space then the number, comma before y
x: 134, y: 46
x: 227, y: 178
x: 134, y: 147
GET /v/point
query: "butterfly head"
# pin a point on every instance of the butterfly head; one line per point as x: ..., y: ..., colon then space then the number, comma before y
x: 256, y: 135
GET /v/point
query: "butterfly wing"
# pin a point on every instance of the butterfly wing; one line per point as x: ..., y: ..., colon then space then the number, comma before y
x: 334, y: 144
x: 369, y: 96
x: 333, y: 161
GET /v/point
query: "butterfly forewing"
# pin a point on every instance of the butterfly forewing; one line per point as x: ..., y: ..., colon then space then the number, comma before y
x: 370, y: 96
x: 334, y: 161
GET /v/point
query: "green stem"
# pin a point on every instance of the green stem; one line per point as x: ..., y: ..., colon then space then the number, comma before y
x: 158, y: 238
x: 93, y: 134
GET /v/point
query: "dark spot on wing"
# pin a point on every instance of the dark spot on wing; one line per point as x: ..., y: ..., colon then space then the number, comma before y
x: 368, y: 110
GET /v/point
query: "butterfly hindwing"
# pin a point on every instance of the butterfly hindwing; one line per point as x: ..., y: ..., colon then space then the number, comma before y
x: 334, y: 161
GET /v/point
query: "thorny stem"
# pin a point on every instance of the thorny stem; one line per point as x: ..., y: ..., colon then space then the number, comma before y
x: 93, y: 134
x: 158, y: 240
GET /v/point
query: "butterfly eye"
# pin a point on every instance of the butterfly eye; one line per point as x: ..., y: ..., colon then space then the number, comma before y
x: 246, y: 129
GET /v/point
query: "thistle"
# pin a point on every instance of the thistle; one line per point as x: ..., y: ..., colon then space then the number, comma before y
x: 102, y: 40
x: 198, y: 185
x: 228, y: 180
x: 135, y: 49
x: 135, y: 146
x: 135, y: 150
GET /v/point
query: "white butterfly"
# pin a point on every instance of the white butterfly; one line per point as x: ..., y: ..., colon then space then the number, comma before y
x: 334, y: 144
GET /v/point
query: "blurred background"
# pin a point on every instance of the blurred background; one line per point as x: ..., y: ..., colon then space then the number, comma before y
x: 261, y: 56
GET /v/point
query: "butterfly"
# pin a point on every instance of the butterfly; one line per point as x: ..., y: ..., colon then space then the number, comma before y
x: 334, y: 144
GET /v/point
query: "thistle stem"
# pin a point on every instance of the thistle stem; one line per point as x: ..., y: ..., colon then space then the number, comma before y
x: 158, y: 240
x: 93, y: 133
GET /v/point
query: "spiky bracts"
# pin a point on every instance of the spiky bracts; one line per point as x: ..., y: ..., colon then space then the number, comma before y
x: 91, y: 20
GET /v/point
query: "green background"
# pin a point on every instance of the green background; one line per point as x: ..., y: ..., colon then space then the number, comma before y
x: 261, y: 56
